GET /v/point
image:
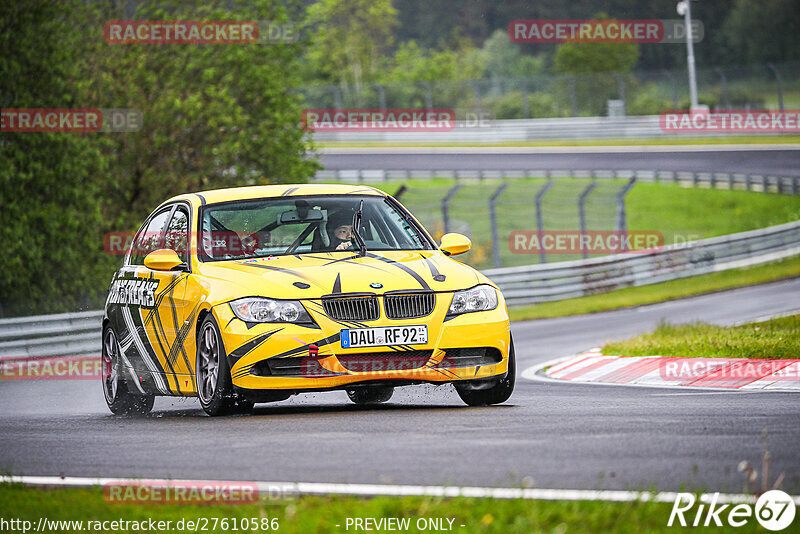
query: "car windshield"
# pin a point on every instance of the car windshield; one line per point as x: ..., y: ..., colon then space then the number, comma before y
x: 298, y: 225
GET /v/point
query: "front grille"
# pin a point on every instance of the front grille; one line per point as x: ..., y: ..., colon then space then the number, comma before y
x: 470, y: 357
x: 352, y: 308
x: 410, y: 305
x: 377, y: 362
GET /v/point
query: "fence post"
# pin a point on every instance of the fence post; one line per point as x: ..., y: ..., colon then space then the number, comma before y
x: 674, y: 84
x: 526, y: 109
x: 621, y: 90
x: 582, y: 215
x: 747, y: 182
x: 622, y: 218
x: 428, y: 94
x: 540, y: 220
x: 794, y: 185
x: 381, y: 96
x: 337, y: 97
x: 493, y: 221
x: 445, y: 204
x: 573, y: 97
x: 477, y: 90
x: 779, y: 81
x: 724, y: 88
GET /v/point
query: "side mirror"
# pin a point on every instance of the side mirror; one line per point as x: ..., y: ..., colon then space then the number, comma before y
x: 163, y: 259
x: 454, y: 244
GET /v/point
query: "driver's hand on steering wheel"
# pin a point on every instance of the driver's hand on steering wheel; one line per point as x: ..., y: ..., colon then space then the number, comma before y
x: 344, y: 245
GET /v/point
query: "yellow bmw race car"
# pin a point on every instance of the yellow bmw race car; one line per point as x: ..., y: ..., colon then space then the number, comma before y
x: 253, y: 294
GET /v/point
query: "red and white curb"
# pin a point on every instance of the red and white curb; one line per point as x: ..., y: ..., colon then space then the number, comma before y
x: 656, y: 371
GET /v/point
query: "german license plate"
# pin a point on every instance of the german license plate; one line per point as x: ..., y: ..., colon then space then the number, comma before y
x: 383, y: 336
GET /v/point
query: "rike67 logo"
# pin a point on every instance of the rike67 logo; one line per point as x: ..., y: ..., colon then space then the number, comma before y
x: 774, y: 510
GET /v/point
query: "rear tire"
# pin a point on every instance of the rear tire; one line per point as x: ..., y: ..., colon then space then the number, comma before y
x: 115, y: 389
x: 213, y: 376
x: 496, y: 394
x: 370, y: 395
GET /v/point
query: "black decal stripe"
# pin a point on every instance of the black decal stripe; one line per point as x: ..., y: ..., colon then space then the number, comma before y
x: 405, y: 268
x: 319, y: 343
x: 156, y: 327
x: 276, y: 269
x: 183, y: 333
x: 251, y: 345
x: 431, y: 266
x: 142, y: 336
x: 289, y: 191
x: 337, y: 285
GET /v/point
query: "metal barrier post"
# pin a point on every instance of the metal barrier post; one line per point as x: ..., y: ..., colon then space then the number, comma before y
x: 539, y: 219
x: 493, y: 221
x: 779, y: 81
x: 622, y: 217
x: 381, y: 96
x: 526, y: 109
x: 428, y: 94
x: 445, y: 202
x: 582, y: 214
x: 724, y: 88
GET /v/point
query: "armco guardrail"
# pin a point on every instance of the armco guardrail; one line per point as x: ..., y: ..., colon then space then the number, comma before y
x: 714, y: 180
x: 79, y: 333
x: 42, y: 336
x: 557, y: 281
x: 501, y: 131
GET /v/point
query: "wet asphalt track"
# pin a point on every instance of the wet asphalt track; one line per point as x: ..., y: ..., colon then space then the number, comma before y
x: 561, y: 435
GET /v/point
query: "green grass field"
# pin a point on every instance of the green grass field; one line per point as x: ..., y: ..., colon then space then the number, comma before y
x: 776, y: 339
x: 674, y: 289
x: 322, y: 514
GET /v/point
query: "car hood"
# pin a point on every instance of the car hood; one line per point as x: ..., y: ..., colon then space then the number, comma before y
x: 306, y: 276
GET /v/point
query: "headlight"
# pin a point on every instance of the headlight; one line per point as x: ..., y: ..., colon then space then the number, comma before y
x: 479, y: 298
x: 261, y: 310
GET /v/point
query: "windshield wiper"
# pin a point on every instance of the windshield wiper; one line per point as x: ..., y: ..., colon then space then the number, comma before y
x: 356, y: 225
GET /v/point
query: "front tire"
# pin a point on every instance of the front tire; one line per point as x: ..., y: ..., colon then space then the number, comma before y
x: 213, y: 376
x: 370, y: 395
x: 496, y: 394
x: 115, y: 389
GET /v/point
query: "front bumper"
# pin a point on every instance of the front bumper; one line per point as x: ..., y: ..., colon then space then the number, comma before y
x: 254, y: 349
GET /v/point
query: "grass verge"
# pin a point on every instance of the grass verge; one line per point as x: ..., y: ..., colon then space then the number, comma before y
x: 674, y: 289
x: 776, y: 339
x: 322, y: 514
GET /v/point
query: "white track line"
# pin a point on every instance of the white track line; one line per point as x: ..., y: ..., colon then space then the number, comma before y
x: 371, y: 490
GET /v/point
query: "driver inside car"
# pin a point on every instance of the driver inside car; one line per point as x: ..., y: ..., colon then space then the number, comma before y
x: 340, y: 230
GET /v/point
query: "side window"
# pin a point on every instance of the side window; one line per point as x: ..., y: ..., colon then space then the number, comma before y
x: 177, y: 234
x: 150, y: 238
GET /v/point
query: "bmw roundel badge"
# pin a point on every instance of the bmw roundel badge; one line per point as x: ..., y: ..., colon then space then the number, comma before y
x: 375, y: 285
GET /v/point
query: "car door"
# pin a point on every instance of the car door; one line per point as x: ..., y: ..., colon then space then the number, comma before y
x: 135, y: 292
